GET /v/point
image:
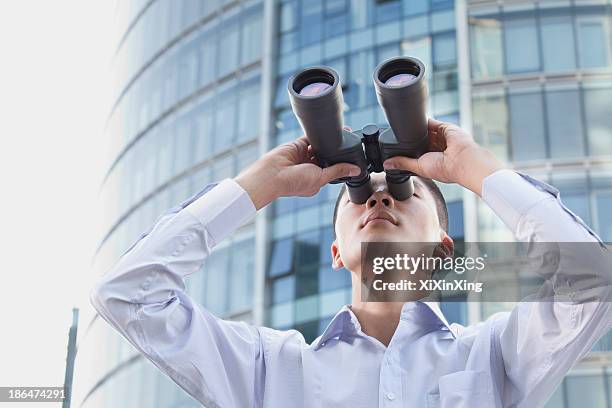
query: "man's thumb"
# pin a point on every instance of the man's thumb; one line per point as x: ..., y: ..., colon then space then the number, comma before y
x: 340, y: 170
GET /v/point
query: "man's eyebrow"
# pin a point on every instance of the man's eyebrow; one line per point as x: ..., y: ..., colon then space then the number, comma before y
x: 419, y: 183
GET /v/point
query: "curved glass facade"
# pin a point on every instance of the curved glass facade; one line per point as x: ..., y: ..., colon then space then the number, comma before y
x: 188, y: 79
x: 197, y: 97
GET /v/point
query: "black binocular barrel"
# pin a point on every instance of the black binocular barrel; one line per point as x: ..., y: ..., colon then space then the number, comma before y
x: 316, y: 99
x: 401, y: 89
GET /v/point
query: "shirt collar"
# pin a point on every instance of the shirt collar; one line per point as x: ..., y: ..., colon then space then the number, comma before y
x: 345, y: 324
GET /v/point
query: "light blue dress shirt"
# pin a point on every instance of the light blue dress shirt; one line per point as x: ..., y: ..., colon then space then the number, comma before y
x: 513, y: 359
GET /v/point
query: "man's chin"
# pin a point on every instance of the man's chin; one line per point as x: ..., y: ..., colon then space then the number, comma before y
x: 380, y: 235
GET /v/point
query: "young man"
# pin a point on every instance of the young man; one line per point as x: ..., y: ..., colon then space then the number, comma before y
x: 372, y: 354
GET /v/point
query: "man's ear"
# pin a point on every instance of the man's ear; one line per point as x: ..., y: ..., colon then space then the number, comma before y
x: 336, y: 260
x: 447, y: 245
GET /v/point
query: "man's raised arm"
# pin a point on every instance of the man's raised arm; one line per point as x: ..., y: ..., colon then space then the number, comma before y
x: 143, y: 297
x: 538, y: 341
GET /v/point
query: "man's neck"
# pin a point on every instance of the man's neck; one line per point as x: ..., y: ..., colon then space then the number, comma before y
x: 377, y: 319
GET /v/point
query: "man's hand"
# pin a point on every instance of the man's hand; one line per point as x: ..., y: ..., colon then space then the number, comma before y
x: 453, y: 157
x: 289, y: 170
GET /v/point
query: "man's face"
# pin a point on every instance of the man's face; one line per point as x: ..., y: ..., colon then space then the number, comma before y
x: 383, y: 219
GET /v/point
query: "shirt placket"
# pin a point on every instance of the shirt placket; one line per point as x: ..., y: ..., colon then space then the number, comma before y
x: 390, y: 386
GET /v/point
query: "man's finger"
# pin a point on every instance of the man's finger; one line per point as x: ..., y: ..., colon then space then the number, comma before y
x: 338, y: 171
x: 401, y: 163
x: 433, y: 124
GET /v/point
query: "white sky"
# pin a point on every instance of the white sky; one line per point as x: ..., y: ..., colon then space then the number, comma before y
x: 54, y: 99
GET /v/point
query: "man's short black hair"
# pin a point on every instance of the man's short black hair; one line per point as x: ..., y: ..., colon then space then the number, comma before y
x: 441, y: 208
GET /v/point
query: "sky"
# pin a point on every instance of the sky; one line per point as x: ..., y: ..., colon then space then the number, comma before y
x: 54, y: 101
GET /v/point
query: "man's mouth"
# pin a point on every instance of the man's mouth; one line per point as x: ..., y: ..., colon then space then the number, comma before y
x: 379, y: 218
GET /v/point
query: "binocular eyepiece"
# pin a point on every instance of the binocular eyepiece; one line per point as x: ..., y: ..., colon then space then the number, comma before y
x: 401, y: 89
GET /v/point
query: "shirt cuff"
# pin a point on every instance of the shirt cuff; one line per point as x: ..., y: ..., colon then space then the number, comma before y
x: 510, y: 195
x: 223, y: 209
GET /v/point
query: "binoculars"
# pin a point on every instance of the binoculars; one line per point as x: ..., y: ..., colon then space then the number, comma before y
x: 401, y: 89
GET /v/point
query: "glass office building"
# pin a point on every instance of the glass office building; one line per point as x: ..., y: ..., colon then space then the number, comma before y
x: 200, y: 93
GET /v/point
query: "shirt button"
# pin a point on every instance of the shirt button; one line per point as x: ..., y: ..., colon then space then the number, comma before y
x: 323, y: 344
x: 390, y: 396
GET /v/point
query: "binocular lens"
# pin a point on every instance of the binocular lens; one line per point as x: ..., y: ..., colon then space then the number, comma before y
x: 400, y: 80
x: 315, y: 88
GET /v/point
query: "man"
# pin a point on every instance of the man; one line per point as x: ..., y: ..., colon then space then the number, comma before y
x: 385, y: 354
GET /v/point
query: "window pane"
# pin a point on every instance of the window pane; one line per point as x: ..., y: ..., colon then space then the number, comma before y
x: 558, y: 44
x: 307, y: 264
x: 443, y: 20
x: 216, y: 282
x: 248, y: 114
x: 593, y: 45
x: 360, y: 92
x: 281, y: 257
x: 307, y: 249
x: 188, y: 72
x: 288, y: 42
x: 387, y: 10
x: 228, y: 50
x: 564, y: 124
x: 416, y: 26
x: 527, y: 127
x: 311, y: 25
x: 486, y: 48
x: 585, y: 391
x: 207, y: 60
x: 241, y: 275
x: 182, y: 143
x: 331, y: 279
x: 388, y: 51
x: 454, y: 311
x: 412, y: 7
x: 578, y: 203
x: 491, y: 123
x: 282, y: 96
x: 246, y: 156
x: 309, y: 330
x: 223, y: 168
x: 283, y: 289
x: 286, y: 120
x: 598, y: 111
x: 556, y: 400
x: 288, y: 17
x: 445, y: 80
x: 251, y: 39
x: 455, y: 219
x: 603, y: 202
x: 225, y: 121
x: 441, y: 4
x: 444, y: 50
x: 359, y: 13
x: 521, y: 42
x: 204, y: 133
x: 336, y: 25
x: 333, y: 7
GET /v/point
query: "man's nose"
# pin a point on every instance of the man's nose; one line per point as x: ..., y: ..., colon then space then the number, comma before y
x: 381, y: 198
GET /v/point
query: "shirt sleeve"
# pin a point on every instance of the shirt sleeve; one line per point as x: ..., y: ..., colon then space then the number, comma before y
x: 539, y: 341
x: 219, y: 363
